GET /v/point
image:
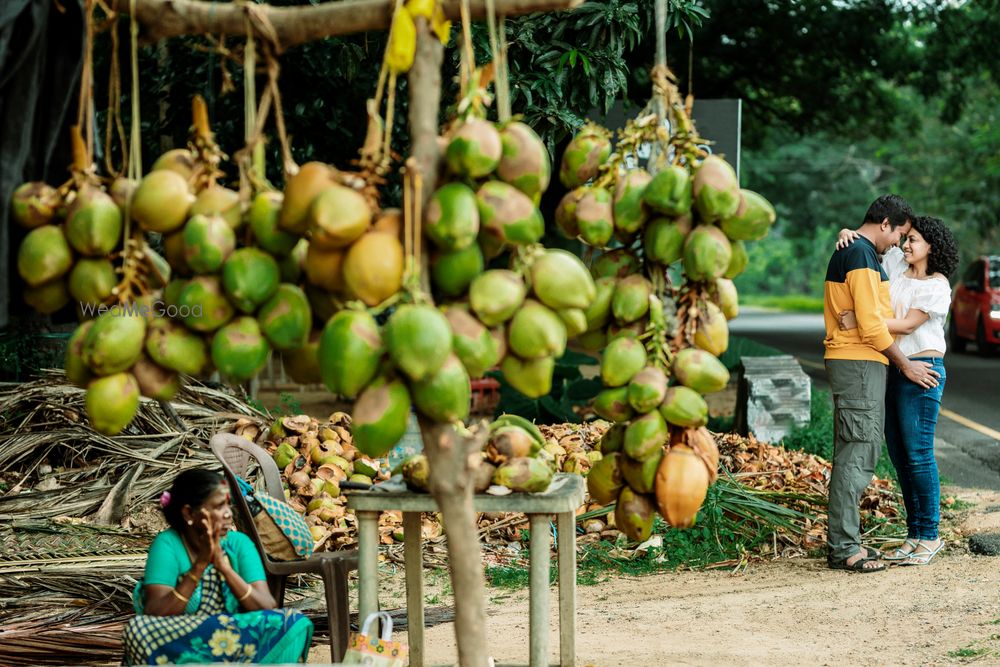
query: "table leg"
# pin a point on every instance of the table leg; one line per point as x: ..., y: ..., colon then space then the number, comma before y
x: 566, y: 525
x: 539, y: 592
x: 414, y: 563
x: 367, y: 566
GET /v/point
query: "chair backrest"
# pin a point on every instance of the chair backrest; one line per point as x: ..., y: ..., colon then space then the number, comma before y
x: 235, y: 453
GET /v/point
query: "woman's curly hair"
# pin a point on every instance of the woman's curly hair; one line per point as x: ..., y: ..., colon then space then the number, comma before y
x: 943, y: 257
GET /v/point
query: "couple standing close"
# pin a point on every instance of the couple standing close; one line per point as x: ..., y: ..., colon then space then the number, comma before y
x: 884, y: 310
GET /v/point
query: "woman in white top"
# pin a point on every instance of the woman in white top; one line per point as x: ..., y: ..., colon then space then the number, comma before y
x: 921, y: 296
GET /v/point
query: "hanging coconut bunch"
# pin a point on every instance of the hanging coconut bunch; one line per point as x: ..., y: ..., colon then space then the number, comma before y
x: 471, y: 320
x: 72, y: 250
x: 212, y: 303
x: 519, y: 318
x: 684, y: 215
x: 77, y: 250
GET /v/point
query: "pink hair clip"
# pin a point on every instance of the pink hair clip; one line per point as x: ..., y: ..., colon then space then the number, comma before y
x: 165, y: 499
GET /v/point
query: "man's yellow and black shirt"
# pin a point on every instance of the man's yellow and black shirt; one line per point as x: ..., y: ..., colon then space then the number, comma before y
x: 856, y: 281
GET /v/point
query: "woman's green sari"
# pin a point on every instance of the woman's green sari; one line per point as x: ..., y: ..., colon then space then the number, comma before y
x: 212, y: 629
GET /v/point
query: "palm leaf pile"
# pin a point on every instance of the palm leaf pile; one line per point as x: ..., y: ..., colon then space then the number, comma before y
x: 67, y: 570
x: 54, y: 464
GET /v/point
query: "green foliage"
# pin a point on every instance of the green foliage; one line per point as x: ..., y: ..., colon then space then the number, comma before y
x: 565, y: 64
x: 817, y: 437
x: 27, y: 346
x: 952, y: 169
x: 287, y: 406
x: 950, y: 53
x: 766, y: 53
x: 569, y: 389
x: 789, y: 303
x: 740, y: 347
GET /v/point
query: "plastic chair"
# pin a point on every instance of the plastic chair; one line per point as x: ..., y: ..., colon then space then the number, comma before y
x: 235, y: 453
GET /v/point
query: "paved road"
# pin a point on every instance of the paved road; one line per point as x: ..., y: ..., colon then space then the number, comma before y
x: 968, y: 446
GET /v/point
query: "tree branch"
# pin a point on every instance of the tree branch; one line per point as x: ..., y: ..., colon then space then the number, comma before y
x: 296, y: 25
x: 451, y: 455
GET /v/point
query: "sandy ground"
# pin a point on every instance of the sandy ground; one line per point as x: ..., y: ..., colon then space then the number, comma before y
x: 786, y: 612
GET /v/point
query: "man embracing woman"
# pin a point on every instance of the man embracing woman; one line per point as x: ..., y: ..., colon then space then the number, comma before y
x: 884, y: 311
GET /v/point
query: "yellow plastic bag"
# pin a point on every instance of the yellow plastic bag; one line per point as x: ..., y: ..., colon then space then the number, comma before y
x: 366, y: 649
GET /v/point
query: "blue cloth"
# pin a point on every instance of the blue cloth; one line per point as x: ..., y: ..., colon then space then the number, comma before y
x: 911, y: 414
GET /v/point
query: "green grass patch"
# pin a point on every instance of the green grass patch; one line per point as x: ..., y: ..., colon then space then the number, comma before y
x: 511, y: 578
x: 792, y: 303
x: 968, y: 652
x: 957, y: 505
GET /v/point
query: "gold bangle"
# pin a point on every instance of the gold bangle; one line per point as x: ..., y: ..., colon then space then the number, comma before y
x: 247, y: 594
x: 179, y: 596
x: 192, y: 577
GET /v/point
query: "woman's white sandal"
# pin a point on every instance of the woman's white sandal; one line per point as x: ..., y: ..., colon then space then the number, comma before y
x: 898, y: 554
x: 923, y: 557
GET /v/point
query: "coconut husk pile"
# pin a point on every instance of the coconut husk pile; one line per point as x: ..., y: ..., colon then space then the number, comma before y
x: 800, y: 481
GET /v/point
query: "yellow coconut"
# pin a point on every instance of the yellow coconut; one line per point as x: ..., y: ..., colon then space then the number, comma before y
x: 373, y: 267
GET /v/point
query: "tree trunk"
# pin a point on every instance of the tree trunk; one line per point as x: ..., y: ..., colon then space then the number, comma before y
x: 298, y: 25
x: 452, y: 456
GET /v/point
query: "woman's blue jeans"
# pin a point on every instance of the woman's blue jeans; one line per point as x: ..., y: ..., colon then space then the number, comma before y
x: 911, y: 414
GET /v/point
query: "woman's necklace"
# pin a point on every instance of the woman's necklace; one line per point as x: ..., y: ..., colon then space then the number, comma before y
x: 187, y: 549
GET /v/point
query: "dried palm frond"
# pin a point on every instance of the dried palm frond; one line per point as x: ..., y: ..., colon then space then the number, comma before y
x: 61, y: 467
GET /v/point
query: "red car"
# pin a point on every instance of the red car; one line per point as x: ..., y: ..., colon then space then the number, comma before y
x: 975, y: 307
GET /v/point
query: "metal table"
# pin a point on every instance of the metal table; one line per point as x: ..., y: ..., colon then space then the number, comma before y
x: 563, y: 497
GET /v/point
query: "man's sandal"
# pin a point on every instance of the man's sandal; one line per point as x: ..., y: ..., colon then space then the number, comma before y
x: 922, y: 555
x: 871, y: 553
x: 858, y: 566
x: 898, y: 554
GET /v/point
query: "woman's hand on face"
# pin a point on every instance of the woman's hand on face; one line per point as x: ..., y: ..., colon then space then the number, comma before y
x: 215, y: 530
x: 846, y: 320
x: 205, y: 544
x: 846, y: 237
x: 201, y: 541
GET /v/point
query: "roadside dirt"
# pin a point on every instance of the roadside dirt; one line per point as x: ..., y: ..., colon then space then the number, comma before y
x: 785, y: 612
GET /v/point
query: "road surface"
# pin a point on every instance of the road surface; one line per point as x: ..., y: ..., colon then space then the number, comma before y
x: 968, y: 444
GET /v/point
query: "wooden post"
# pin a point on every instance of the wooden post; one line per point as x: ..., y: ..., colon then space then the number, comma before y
x: 413, y: 558
x: 367, y: 564
x: 451, y: 456
x: 539, y: 549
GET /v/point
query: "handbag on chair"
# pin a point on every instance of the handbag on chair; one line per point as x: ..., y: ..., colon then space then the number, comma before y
x: 284, y: 534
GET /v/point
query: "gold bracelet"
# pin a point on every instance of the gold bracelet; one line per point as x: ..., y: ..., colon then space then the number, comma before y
x: 247, y: 594
x: 179, y: 596
x: 192, y: 577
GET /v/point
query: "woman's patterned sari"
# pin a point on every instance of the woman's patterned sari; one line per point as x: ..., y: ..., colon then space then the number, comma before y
x: 211, y: 633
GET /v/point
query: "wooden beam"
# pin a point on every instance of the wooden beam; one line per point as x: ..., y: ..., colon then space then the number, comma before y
x: 161, y: 19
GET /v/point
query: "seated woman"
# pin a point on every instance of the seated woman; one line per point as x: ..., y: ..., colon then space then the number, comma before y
x: 204, y: 595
